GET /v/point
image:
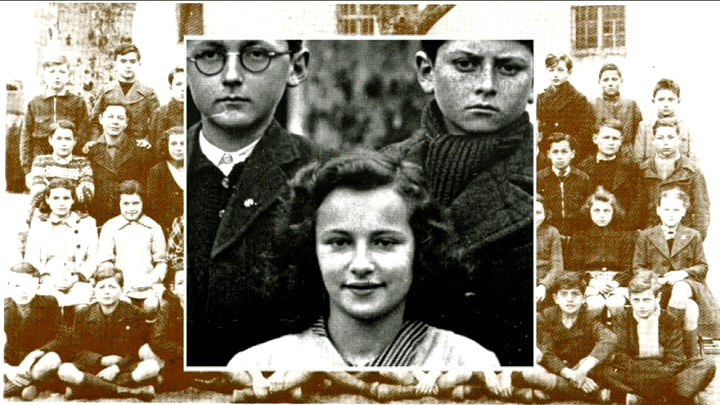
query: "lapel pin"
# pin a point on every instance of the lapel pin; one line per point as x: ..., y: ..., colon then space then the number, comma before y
x: 249, y: 203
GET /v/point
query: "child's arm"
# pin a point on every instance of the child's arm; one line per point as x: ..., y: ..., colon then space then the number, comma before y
x: 159, y: 254
x: 86, y: 186
x: 106, y: 245
x: 88, y: 264
x: 640, y: 256
x: 700, y: 204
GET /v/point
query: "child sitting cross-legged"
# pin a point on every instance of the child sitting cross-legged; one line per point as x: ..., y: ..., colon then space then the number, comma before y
x: 34, y: 331
x: 573, y: 346
x: 604, y: 251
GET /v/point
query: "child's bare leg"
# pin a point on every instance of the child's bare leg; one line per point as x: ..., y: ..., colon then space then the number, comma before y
x: 45, y: 365
x: 451, y: 379
x: 401, y: 377
x: 595, y: 305
x: 145, y: 370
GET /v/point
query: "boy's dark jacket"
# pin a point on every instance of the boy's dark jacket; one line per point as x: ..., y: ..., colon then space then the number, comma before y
x: 563, y: 347
x: 568, y: 111
x: 122, y: 335
x: 237, y: 298
x: 43, y: 329
x: 493, y: 222
x: 576, y: 190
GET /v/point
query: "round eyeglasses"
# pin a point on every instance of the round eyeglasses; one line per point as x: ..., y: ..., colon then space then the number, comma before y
x: 253, y: 58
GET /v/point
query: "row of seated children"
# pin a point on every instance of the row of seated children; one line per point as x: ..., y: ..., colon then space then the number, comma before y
x: 57, y: 102
x: 66, y: 249
x: 111, y: 350
x: 561, y: 108
x: 579, y: 358
x: 636, y: 187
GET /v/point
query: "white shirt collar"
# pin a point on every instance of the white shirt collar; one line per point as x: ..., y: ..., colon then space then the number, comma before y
x: 600, y: 158
x: 557, y: 172
x: 215, y: 154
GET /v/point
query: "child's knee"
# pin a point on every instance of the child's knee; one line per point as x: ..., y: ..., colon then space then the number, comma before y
x: 595, y: 303
x: 453, y: 378
x: 47, y: 363
x: 403, y: 377
x: 692, y: 315
x: 615, y: 304
x: 151, y: 307
x: 145, y: 370
x: 68, y: 373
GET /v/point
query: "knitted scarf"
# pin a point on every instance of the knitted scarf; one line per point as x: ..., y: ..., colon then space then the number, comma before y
x: 453, y: 161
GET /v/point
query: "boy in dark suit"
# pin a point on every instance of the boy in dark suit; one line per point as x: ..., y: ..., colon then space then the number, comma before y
x: 35, y: 333
x: 239, y: 161
x: 106, y: 337
x: 564, y: 188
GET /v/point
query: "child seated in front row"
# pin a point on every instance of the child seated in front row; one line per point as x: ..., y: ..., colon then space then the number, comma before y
x: 666, y: 98
x: 675, y: 253
x: 549, y: 260
x: 36, y: 335
x: 135, y: 244
x: 649, y: 361
x: 573, y: 344
x: 64, y: 249
x: 565, y: 188
x: 604, y: 252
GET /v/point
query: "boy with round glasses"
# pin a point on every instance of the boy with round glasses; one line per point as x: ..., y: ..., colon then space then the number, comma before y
x: 239, y: 161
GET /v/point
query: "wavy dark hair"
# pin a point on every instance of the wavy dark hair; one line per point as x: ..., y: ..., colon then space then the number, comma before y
x: 605, y: 196
x: 67, y: 184
x: 368, y: 170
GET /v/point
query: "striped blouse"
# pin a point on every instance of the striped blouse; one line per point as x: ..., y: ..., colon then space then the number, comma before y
x: 416, y: 345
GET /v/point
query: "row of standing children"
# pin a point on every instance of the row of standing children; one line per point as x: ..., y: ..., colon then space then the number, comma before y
x: 636, y: 201
x: 89, y: 174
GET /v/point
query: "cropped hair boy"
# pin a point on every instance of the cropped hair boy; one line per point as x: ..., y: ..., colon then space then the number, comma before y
x: 612, y: 105
x: 565, y: 188
x: 54, y: 104
x: 666, y: 98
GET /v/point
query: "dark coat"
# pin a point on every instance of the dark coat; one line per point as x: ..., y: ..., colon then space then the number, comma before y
x: 577, y: 189
x: 43, y: 329
x: 493, y: 222
x: 624, y: 185
x: 688, y: 177
x: 140, y: 101
x: 626, y: 111
x: 563, y: 347
x: 549, y: 261
x: 568, y: 111
x: 169, y: 115
x: 596, y: 248
x: 237, y: 296
x: 167, y: 333
x: 651, y: 253
x: 131, y: 163
x: 93, y: 338
x: 165, y: 200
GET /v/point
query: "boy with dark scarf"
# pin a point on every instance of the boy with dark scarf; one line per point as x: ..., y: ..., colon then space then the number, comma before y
x: 476, y: 147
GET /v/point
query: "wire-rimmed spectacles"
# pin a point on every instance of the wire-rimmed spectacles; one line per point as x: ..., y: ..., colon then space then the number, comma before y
x: 255, y: 59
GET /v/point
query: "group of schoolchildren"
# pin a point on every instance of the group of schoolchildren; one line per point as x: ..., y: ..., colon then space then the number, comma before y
x: 97, y: 300
x: 621, y: 213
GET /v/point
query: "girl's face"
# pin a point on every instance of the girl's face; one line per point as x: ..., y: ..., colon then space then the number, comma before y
x: 365, y: 248
x: 539, y: 213
x: 601, y: 213
x: 60, y: 201
x: 480, y: 86
x: 176, y: 147
x: 108, y: 291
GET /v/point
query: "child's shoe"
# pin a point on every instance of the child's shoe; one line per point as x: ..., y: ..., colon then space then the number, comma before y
x: 242, y: 396
x: 524, y: 395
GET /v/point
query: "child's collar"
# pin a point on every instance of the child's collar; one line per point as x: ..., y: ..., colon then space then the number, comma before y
x: 49, y: 93
x: 599, y: 157
x: 62, y: 160
x: 609, y: 97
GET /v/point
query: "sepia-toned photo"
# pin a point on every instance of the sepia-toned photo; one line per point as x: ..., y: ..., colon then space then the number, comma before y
x: 369, y: 187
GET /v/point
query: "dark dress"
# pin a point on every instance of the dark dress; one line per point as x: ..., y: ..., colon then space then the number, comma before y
x: 165, y: 199
x: 485, y: 184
